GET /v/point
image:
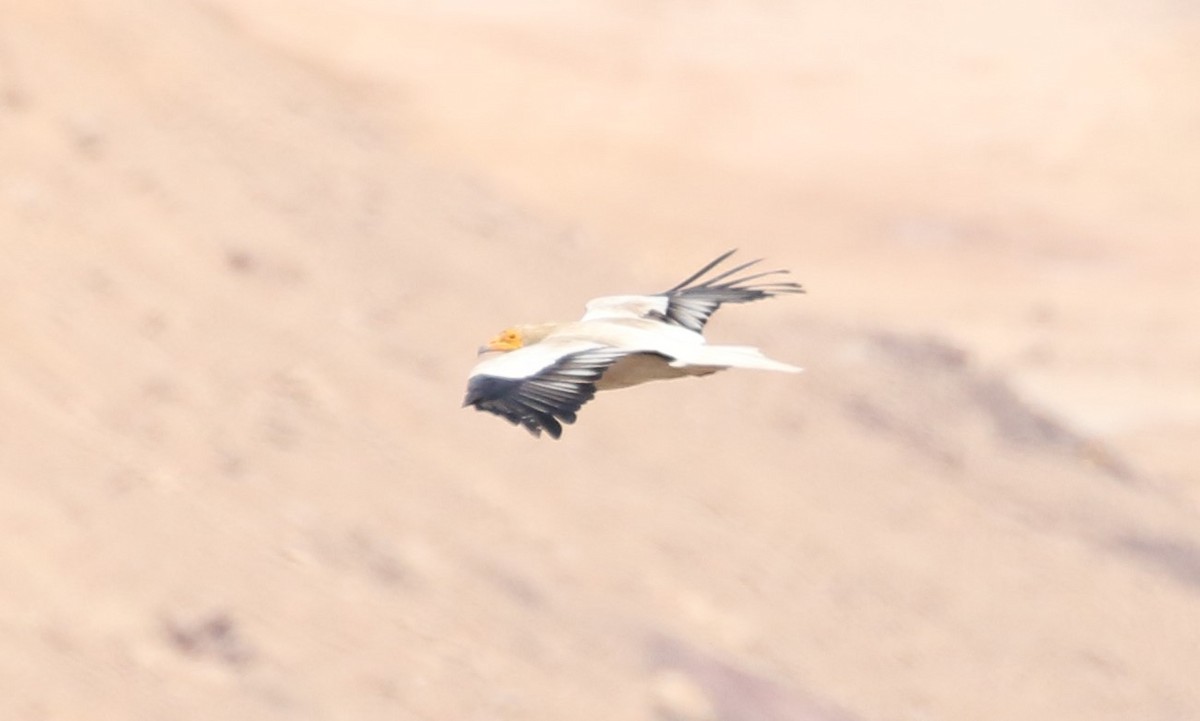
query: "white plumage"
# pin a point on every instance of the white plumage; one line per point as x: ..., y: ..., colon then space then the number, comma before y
x: 542, y: 374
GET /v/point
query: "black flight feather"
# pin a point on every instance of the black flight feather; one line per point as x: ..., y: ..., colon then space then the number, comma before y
x: 692, y: 302
x: 547, y: 399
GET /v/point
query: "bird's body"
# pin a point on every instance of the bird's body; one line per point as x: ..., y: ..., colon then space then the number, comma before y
x: 544, y: 373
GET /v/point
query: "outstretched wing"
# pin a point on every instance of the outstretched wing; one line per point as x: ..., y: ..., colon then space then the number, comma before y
x: 693, y: 301
x: 545, y: 398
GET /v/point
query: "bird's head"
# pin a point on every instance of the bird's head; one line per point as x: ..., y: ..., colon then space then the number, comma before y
x: 518, y: 336
x: 508, y: 339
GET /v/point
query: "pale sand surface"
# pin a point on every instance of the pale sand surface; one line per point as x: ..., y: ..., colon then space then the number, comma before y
x: 250, y: 247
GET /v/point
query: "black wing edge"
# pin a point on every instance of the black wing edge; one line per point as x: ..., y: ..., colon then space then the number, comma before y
x: 693, y: 301
x: 548, y: 399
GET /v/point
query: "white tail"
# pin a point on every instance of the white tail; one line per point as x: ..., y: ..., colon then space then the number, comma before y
x: 733, y: 356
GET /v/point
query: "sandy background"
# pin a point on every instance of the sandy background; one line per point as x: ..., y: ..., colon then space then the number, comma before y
x: 249, y: 249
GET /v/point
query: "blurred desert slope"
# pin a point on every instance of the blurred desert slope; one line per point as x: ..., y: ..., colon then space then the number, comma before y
x: 249, y: 248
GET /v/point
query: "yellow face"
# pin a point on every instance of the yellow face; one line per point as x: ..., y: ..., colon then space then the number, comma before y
x: 509, y: 339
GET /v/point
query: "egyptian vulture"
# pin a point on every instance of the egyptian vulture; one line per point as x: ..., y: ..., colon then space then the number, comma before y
x: 544, y: 373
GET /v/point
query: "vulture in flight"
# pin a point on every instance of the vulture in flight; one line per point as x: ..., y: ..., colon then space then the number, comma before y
x: 539, y: 376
